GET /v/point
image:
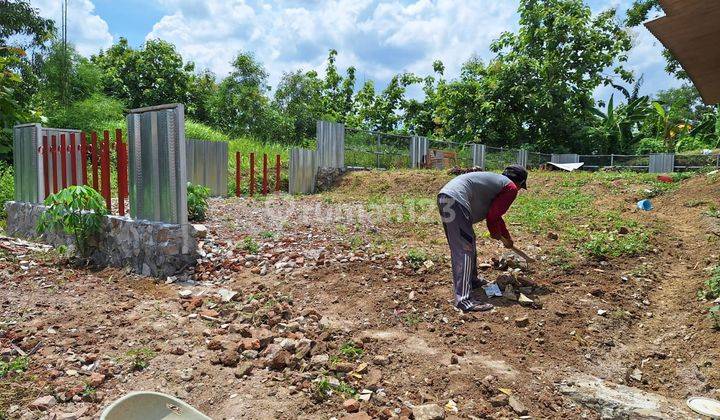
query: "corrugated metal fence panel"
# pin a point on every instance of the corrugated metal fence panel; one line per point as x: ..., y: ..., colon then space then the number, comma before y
x: 47, y: 133
x: 158, y: 171
x: 478, y: 155
x: 565, y: 158
x: 418, y: 151
x: 207, y: 163
x: 522, y: 158
x: 661, y: 163
x: 303, y: 169
x: 330, y: 145
x: 27, y: 163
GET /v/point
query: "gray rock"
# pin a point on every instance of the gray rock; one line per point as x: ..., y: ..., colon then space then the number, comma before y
x: 43, y: 403
x: 613, y: 401
x: 517, y: 406
x: 428, y: 412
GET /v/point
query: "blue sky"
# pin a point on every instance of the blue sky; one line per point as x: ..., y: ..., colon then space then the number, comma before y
x: 379, y: 37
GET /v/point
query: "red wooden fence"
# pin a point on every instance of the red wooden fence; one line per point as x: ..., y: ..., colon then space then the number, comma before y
x: 266, y: 170
x: 56, y: 154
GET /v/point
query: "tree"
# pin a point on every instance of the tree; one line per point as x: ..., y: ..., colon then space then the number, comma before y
x: 153, y: 75
x: 202, y: 90
x: 241, y: 105
x: 10, y: 110
x: 545, y: 73
x: 20, y: 21
x: 338, y: 91
x: 639, y: 12
x: 21, y: 29
x: 419, y: 115
x: 82, y: 76
x: 299, y: 97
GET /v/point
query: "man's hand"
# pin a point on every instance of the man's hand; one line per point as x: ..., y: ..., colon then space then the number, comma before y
x: 507, y: 242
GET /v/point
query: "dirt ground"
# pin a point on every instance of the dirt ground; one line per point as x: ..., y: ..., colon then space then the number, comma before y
x: 325, y: 306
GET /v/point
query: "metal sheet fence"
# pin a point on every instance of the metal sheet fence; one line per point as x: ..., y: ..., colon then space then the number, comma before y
x: 207, y: 163
x: 418, y: 151
x: 28, y: 163
x: 158, y: 171
x: 661, y: 163
x: 478, y: 155
x: 330, y: 144
x: 303, y: 169
x: 565, y: 158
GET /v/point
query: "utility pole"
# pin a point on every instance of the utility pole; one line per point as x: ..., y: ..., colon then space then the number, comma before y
x: 65, y: 75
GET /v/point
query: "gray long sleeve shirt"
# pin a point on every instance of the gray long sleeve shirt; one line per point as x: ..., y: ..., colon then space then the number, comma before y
x: 476, y: 191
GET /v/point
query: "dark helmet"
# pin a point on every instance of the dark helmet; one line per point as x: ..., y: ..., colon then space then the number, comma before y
x: 517, y: 174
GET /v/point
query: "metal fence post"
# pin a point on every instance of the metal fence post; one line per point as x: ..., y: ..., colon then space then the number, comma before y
x: 612, y: 159
x: 478, y: 154
x: 377, y: 151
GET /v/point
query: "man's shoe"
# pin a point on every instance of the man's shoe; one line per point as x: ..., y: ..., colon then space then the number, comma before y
x: 471, y: 306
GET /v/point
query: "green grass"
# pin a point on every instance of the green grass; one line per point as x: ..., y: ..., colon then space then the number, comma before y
x: 603, y: 245
x: 586, y: 229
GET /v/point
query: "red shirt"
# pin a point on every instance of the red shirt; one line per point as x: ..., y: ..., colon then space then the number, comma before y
x: 499, y: 206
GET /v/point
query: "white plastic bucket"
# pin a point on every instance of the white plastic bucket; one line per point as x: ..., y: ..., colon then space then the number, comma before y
x: 151, y: 406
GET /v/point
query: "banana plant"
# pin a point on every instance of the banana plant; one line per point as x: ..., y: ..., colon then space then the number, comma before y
x: 617, y: 123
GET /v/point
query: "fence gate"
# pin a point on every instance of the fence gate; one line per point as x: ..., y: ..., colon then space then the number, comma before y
x: 303, y: 169
x: 207, y: 163
x: 478, y: 155
x: 27, y: 160
x: 565, y: 158
x: 661, y: 163
x: 158, y: 171
x: 330, y: 145
x: 61, y: 148
x: 418, y: 151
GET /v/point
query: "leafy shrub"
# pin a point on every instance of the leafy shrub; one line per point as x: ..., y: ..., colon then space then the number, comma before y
x: 715, y: 316
x: 690, y: 143
x: 140, y: 358
x: 197, y: 196
x: 650, y: 145
x: 76, y: 210
x: 17, y: 364
x: 350, y: 351
x: 7, y: 187
x: 712, y: 286
x: 416, y: 257
x: 250, y: 245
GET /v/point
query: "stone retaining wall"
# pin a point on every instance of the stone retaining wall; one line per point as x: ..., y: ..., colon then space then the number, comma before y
x: 149, y: 248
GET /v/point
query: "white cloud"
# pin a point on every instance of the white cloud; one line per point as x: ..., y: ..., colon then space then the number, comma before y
x: 379, y: 38
x: 86, y: 30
